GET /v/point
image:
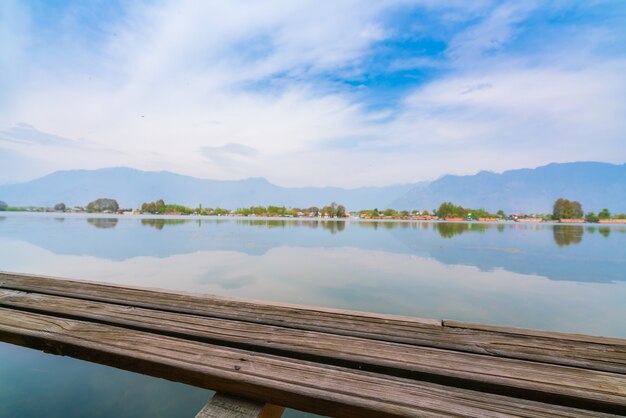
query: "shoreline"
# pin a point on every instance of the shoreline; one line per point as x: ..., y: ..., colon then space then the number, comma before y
x: 85, y: 215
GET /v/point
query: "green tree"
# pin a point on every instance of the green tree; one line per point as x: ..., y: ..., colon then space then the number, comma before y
x: 567, y: 209
x: 341, y: 211
x: 450, y: 210
x: 3, y: 206
x: 501, y: 214
x: 60, y: 207
x: 103, y: 205
x: 604, y: 214
x: 591, y: 217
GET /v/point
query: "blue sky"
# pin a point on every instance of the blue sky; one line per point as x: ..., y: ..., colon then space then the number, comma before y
x: 343, y: 93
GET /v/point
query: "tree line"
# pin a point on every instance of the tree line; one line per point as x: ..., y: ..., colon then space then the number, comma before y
x: 562, y: 209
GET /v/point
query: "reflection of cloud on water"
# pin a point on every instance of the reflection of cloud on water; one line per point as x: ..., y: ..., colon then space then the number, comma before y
x: 353, y: 278
x: 230, y: 282
x: 228, y: 276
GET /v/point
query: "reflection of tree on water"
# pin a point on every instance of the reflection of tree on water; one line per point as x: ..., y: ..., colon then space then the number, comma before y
x: 103, y: 222
x: 605, y: 231
x: 449, y: 230
x: 332, y: 226
x: 268, y: 223
x: 567, y: 234
x: 59, y: 219
x: 160, y: 223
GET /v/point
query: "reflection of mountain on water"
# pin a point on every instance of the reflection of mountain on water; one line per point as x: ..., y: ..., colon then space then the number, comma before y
x: 559, y: 252
x: 540, y: 249
x: 163, y: 237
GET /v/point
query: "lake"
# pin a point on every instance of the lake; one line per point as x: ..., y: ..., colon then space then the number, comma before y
x: 555, y: 277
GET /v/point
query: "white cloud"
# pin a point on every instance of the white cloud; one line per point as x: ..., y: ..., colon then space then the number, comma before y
x: 172, y: 78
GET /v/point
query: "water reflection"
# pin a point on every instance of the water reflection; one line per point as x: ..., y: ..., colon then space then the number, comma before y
x: 331, y: 225
x: 568, y: 234
x: 449, y: 230
x: 160, y: 223
x: 104, y: 223
x: 59, y: 219
x: 541, y: 249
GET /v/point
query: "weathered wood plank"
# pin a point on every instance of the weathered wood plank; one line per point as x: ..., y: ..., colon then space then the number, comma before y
x: 503, y: 375
x: 313, y: 387
x: 228, y: 406
x: 597, y: 353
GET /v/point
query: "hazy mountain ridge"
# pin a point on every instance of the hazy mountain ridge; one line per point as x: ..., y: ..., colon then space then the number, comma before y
x: 595, y: 185
x: 131, y: 187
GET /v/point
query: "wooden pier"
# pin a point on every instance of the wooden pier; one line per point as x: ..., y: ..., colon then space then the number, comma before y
x: 261, y: 357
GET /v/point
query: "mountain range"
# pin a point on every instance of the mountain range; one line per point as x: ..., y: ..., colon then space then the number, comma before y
x: 595, y: 185
x: 131, y: 187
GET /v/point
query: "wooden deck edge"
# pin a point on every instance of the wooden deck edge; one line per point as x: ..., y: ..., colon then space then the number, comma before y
x: 502, y: 329
x: 307, y: 386
x: 399, y: 360
x: 6, y: 276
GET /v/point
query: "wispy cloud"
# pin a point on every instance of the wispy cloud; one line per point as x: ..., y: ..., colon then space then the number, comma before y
x: 349, y: 94
x: 23, y: 133
x: 228, y: 151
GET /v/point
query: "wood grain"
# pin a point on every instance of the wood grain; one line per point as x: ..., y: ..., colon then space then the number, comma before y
x: 565, y: 385
x: 590, y: 352
x: 322, y: 389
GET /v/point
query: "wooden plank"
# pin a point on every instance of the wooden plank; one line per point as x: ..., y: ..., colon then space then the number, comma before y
x: 597, y: 353
x: 228, y: 406
x: 585, y: 351
x: 326, y: 390
x: 566, y: 385
x: 533, y: 333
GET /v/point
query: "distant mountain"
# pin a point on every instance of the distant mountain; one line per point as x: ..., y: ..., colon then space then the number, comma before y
x: 594, y: 185
x: 132, y: 187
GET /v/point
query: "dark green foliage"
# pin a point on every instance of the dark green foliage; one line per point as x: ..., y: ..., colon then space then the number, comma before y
x: 604, y: 214
x: 333, y: 210
x: 60, y: 207
x: 3, y: 205
x: 567, y: 209
x: 591, y: 217
x: 450, y: 210
x: 159, y: 207
x: 103, y: 205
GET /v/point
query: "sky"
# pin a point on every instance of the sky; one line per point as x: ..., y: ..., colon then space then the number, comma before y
x: 310, y: 93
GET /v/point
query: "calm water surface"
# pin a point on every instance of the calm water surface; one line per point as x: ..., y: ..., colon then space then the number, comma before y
x: 557, y: 277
